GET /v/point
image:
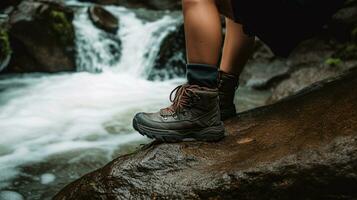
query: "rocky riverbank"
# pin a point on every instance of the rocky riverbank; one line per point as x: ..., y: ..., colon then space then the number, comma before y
x: 304, y: 147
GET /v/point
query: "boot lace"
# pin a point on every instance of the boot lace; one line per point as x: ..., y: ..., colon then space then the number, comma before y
x: 185, y: 97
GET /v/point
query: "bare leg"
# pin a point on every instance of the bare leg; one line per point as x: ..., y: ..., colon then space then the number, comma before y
x: 203, y: 31
x: 204, y: 36
x: 237, y: 48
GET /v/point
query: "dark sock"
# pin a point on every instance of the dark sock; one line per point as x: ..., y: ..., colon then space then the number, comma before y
x: 202, y: 75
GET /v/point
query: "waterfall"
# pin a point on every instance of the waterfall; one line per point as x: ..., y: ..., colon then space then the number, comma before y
x: 45, y: 115
x: 132, y: 50
x: 96, y: 49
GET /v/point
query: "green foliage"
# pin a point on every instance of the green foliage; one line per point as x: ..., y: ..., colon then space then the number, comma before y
x: 5, y: 48
x: 333, y: 61
x: 61, y: 26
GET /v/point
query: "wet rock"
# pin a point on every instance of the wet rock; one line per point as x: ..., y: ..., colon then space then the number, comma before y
x: 304, y: 147
x: 42, y: 37
x: 304, y: 77
x: 171, y: 59
x: 265, y: 71
x: 103, y: 19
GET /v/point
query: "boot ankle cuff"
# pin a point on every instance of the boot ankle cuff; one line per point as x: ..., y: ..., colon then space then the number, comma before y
x: 202, y: 75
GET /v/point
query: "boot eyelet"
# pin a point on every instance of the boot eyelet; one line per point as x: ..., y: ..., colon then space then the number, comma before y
x: 165, y: 118
x: 174, y: 116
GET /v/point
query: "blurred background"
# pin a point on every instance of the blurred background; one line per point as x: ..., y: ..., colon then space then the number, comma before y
x: 73, y: 74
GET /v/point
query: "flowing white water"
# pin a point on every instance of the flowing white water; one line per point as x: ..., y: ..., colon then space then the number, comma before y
x: 43, y: 115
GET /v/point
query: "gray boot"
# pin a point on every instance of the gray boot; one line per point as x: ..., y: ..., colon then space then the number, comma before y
x: 194, y: 115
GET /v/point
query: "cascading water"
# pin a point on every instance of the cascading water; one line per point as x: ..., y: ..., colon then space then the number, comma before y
x: 50, y: 123
x: 138, y: 42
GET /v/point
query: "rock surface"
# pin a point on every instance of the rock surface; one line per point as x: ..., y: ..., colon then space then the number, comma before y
x: 42, y: 37
x: 103, y: 19
x: 304, y: 147
x: 303, y: 77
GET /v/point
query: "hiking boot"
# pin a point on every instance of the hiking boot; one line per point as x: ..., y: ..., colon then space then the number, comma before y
x: 194, y: 115
x: 227, y: 86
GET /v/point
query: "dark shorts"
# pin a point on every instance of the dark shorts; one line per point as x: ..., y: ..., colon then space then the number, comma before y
x: 283, y: 24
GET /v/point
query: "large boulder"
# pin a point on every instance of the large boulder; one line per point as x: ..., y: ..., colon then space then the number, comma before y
x: 42, y: 37
x: 304, y: 147
x: 103, y: 19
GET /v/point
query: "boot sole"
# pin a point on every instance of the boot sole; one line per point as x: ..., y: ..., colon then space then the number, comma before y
x: 209, y: 134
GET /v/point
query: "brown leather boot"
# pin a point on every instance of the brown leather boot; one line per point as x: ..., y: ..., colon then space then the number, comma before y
x: 227, y: 86
x: 194, y: 115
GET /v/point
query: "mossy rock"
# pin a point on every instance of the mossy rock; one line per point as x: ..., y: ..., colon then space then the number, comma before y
x: 61, y: 26
x: 42, y: 38
x: 5, y: 49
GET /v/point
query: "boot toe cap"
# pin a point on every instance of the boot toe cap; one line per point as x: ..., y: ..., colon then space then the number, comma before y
x: 144, y: 119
